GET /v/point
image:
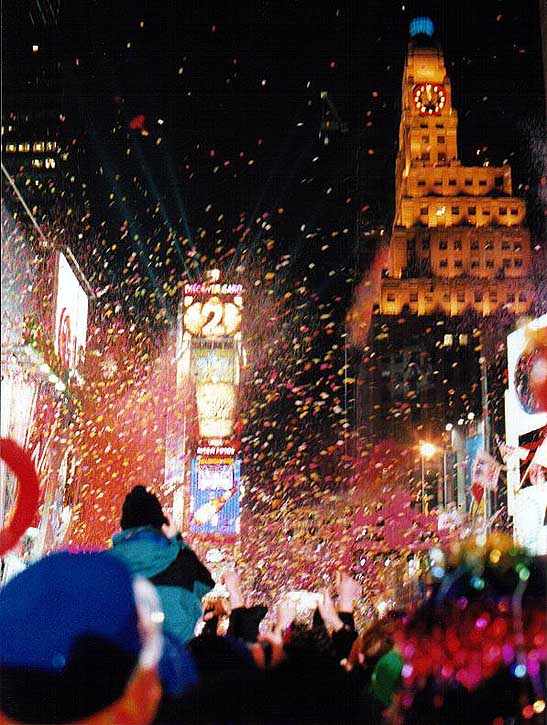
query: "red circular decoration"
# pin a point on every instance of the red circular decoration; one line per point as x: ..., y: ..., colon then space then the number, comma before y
x: 28, y: 494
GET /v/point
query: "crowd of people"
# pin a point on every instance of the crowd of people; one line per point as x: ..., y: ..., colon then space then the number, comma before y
x: 141, y: 633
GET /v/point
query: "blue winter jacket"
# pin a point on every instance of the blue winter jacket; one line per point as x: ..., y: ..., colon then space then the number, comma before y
x: 171, y: 565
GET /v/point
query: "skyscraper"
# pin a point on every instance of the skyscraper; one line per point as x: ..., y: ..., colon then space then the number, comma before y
x: 459, y: 252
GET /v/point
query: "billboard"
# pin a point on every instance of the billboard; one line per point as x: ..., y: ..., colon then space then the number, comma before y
x: 214, y: 495
x: 70, y: 317
x: 520, y: 420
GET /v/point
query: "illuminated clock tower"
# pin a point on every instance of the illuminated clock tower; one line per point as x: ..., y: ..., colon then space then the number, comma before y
x: 459, y: 252
x: 458, y: 239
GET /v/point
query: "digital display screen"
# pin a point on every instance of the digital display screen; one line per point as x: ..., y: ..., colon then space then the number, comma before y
x: 214, y: 496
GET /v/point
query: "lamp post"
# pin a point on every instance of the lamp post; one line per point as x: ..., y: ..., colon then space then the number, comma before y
x: 427, y: 451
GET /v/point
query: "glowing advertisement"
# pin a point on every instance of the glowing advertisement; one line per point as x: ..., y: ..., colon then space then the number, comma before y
x: 519, y: 420
x: 216, y: 404
x: 214, y: 495
x: 70, y: 317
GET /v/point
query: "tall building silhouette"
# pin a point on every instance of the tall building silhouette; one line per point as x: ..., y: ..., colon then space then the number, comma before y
x: 459, y: 251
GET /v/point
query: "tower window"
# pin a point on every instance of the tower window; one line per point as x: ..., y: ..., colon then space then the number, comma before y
x: 439, y: 125
x: 482, y: 182
x: 457, y: 244
x: 490, y: 264
x: 469, y: 182
x: 413, y: 296
x: 37, y: 163
x: 460, y: 296
x: 498, y: 181
x: 455, y: 210
x: 505, y: 244
x: 503, y: 211
x: 463, y: 339
x: 471, y: 210
x: 506, y: 263
x: 493, y: 295
x: 514, y: 212
x: 24, y: 147
x: 451, y: 182
x: 486, y: 212
x: 425, y: 244
x: 489, y: 245
x: 443, y: 263
x: 438, y: 182
x: 447, y: 341
x: 475, y: 264
x: 424, y: 210
x: 440, y: 139
x: 442, y: 156
x: 425, y: 156
x: 421, y: 182
x: 391, y: 298
x: 518, y: 262
x: 474, y: 244
x: 458, y: 264
x: 522, y: 297
x: 510, y: 297
x: 517, y: 247
x: 425, y: 139
x: 478, y: 296
x: 443, y: 244
x: 423, y: 125
x: 38, y: 146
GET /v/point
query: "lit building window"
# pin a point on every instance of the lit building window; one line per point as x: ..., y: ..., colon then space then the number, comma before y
x: 37, y: 163
x: 38, y: 146
x: 50, y: 163
x: 11, y: 148
x: 448, y: 340
x: 463, y: 339
x: 51, y: 145
x: 23, y: 147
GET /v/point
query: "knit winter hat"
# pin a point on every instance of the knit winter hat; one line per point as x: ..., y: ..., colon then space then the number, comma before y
x: 142, y: 508
x: 69, y: 637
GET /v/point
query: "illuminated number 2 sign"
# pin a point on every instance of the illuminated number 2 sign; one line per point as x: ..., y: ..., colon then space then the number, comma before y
x: 213, y: 318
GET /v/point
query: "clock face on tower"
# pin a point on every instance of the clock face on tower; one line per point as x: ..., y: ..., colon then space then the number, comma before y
x: 429, y: 98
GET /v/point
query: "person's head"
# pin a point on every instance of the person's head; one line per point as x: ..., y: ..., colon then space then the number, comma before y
x: 142, y: 508
x: 79, y: 641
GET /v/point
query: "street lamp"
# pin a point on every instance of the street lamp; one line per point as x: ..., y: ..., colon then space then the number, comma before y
x: 427, y: 451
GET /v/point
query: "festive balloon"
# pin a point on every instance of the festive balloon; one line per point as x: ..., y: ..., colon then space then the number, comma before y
x: 21, y: 464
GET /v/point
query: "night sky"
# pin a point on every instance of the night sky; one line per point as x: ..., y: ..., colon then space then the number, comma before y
x: 194, y: 136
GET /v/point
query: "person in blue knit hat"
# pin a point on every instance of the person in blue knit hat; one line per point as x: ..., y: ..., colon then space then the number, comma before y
x: 146, y: 546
